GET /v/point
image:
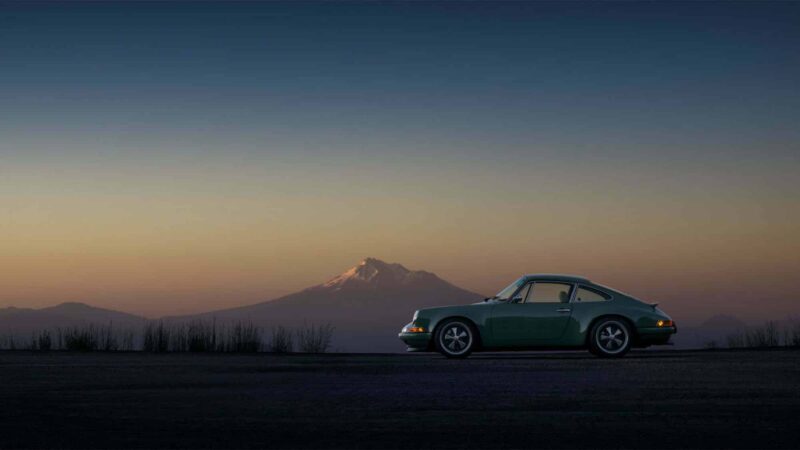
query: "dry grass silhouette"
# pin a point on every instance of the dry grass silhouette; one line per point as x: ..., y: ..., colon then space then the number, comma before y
x: 161, y: 337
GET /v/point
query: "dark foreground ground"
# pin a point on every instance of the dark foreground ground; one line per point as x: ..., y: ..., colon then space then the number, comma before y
x: 703, y: 399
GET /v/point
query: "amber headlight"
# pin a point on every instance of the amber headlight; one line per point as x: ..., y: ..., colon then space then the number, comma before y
x: 664, y: 323
x: 414, y: 329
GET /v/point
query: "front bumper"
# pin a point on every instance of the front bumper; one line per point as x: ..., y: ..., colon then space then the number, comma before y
x: 415, y: 341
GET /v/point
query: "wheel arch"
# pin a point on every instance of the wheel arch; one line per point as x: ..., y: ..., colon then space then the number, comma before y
x: 627, y: 320
x: 475, y: 328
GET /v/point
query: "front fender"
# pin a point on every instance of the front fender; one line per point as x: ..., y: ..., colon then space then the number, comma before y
x: 477, y: 314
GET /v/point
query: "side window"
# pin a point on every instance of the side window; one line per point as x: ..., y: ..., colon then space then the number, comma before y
x: 522, y: 294
x: 586, y: 295
x: 546, y: 292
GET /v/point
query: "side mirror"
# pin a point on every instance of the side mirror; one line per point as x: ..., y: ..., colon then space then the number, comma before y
x: 516, y: 300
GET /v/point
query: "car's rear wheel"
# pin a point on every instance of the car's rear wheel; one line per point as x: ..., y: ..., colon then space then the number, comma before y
x: 455, y: 338
x: 610, y: 338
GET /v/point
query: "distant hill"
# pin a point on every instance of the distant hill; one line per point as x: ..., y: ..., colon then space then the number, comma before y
x: 24, y: 321
x: 367, y: 304
x: 715, y: 329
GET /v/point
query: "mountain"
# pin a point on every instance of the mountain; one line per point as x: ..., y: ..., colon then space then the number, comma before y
x: 25, y: 321
x: 723, y: 323
x: 714, y: 329
x: 367, y: 304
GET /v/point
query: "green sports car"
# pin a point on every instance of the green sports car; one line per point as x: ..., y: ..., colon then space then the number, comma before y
x: 542, y: 311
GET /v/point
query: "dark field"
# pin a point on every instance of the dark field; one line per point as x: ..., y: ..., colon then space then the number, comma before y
x: 719, y: 399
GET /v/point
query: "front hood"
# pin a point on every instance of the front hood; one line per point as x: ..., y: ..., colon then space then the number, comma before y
x: 487, y: 302
x: 469, y: 305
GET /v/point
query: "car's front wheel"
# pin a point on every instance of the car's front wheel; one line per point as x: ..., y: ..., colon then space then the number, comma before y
x: 610, y: 338
x: 455, y: 338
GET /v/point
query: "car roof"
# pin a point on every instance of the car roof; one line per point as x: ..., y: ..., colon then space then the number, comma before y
x: 557, y: 277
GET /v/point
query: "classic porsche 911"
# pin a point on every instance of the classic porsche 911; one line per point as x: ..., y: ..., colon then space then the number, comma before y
x: 542, y: 311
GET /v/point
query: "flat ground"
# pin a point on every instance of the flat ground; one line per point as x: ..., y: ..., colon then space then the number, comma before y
x: 664, y: 399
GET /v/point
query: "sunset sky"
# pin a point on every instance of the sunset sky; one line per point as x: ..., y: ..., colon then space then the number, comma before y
x: 164, y: 158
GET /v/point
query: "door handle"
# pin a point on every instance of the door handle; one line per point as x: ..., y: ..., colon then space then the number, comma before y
x: 563, y: 310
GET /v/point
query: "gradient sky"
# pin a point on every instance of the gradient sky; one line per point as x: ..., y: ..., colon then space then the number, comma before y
x: 164, y: 158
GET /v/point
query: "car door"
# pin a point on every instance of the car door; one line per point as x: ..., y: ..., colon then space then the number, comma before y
x: 537, y: 315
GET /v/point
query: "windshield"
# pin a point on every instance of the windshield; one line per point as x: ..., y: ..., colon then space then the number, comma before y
x: 506, y: 293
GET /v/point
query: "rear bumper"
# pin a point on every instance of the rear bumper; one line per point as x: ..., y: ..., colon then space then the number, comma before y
x: 655, y: 336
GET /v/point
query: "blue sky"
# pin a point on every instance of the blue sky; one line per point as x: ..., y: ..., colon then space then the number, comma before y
x: 573, y: 75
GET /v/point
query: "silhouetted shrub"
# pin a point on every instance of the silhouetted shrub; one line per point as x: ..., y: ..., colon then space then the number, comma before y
x: 735, y: 340
x: 43, y: 341
x: 178, y: 338
x: 196, y: 336
x: 764, y: 336
x: 156, y: 337
x: 315, y: 339
x: 793, y: 339
x: 106, y: 340
x: 80, y: 339
x: 772, y: 333
x: 243, y: 338
x: 8, y: 342
x: 127, y: 339
x: 59, y: 339
x: 281, y: 341
x: 201, y: 337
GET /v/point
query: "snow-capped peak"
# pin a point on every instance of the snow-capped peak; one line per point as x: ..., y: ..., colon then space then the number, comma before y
x: 370, y: 271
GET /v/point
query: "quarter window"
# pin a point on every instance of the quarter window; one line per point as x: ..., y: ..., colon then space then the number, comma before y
x: 587, y: 295
x: 549, y: 293
x: 523, y: 293
x: 506, y: 293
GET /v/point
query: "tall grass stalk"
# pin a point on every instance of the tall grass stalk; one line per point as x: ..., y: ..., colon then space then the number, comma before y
x: 315, y: 339
x: 156, y: 337
x: 243, y: 338
x: 281, y: 341
x: 42, y: 341
x: 794, y: 335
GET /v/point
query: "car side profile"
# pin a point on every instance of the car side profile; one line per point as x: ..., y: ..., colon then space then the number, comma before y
x: 542, y: 311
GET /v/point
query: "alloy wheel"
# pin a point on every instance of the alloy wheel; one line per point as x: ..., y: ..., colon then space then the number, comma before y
x: 612, y: 337
x: 456, y: 338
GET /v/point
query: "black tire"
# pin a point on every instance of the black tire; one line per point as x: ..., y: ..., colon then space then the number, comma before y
x: 610, y: 337
x: 455, y: 338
